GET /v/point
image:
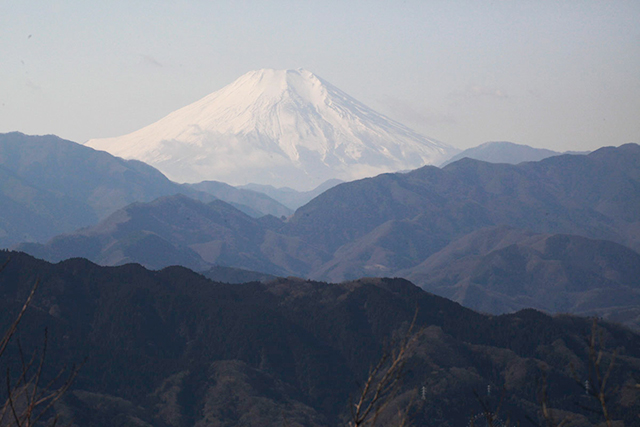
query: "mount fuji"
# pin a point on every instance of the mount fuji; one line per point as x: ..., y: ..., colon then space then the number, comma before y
x: 276, y: 127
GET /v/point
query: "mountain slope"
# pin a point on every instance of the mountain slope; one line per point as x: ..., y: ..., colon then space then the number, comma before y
x: 50, y: 186
x: 178, y: 230
x: 171, y: 348
x: 30, y: 213
x: 288, y: 196
x: 389, y: 225
x: 168, y: 231
x: 499, y: 270
x: 597, y: 196
x: 246, y: 197
x: 276, y: 127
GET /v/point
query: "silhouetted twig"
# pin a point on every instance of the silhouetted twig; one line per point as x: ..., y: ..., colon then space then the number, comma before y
x: 27, y: 400
x: 382, y: 383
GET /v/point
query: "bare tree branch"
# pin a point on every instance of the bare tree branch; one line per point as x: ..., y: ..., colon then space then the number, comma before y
x: 14, y: 326
x: 27, y: 400
x: 382, y: 383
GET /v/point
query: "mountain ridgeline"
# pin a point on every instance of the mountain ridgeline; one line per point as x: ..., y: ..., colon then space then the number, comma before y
x: 503, y: 152
x: 402, y: 224
x: 498, y: 270
x: 267, y: 302
x: 50, y: 186
x: 172, y: 348
x: 597, y: 196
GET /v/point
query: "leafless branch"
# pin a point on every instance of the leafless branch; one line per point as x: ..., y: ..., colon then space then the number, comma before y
x: 14, y: 326
x: 27, y: 400
x: 382, y: 383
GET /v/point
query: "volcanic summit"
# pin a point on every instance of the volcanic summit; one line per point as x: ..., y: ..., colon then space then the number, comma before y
x: 276, y: 127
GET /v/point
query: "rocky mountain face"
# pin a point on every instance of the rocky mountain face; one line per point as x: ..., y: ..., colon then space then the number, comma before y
x: 172, y: 348
x: 285, y: 128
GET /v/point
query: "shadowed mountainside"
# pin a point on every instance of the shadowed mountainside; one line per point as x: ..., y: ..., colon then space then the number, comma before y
x: 172, y: 230
x: 172, y: 348
x: 597, y: 196
x: 499, y: 270
x: 392, y: 224
x: 236, y: 275
x: 50, y: 186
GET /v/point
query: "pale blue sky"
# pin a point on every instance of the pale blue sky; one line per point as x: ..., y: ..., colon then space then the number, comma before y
x: 561, y: 75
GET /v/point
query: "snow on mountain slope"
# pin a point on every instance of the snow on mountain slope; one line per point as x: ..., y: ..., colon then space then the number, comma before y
x: 280, y: 128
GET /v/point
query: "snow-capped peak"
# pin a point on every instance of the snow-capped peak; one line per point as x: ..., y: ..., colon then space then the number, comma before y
x: 277, y: 127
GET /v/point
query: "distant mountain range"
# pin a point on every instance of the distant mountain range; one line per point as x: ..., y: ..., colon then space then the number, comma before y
x: 402, y: 224
x: 50, y: 186
x: 418, y: 213
x: 261, y: 202
x: 171, y: 348
x: 498, y: 270
x: 289, y: 197
x: 503, y: 152
x: 492, y: 152
x: 285, y: 128
x: 175, y: 347
x: 172, y: 230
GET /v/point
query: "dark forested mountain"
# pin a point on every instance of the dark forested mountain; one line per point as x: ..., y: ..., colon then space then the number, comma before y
x: 503, y: 152
x: 172, y: 348
x: 223, y: 274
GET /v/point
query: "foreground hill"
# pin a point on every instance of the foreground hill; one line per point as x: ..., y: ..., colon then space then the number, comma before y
x: 171, y: 348
x: 50, y: 186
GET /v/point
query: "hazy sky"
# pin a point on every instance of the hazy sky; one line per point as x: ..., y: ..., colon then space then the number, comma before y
x: 563, y: 75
